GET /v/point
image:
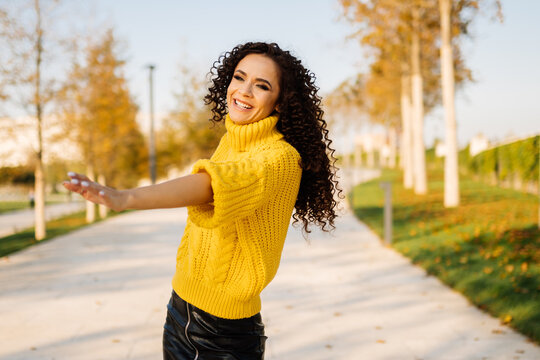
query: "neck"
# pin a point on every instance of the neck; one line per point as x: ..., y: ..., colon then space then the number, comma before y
x: 246, y: 137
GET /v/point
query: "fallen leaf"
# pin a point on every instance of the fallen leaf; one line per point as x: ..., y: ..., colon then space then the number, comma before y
x: 328, y: 346
x: 507, y: 319
x: 115, y: 340
x: 337, y: 314
x: 381, y: 341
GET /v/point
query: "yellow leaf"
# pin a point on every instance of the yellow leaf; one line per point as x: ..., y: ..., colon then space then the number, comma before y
x: 498, y: 251
x: 507, y: 319
x: 488, y: 270
x: 524, y: 267
x: 509, y: 268
x: 381, y: 341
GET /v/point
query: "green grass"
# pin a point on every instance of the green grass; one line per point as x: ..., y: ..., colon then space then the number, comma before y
x: 488, y: 248
x: 15, y: 242
x: 7, y: 206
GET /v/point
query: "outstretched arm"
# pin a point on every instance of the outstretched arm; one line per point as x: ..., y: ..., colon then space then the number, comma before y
x: 188, y: 190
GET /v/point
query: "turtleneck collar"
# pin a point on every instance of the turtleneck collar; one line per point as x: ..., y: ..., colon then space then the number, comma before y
x: 246, y: 137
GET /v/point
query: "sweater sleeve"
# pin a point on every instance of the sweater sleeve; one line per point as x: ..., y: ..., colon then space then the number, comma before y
x: 242, y: 186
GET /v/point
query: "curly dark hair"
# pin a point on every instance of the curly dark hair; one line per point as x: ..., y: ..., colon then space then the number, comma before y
x: 301, y: 123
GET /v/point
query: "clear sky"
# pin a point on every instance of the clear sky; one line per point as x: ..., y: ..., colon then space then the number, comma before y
x: 505, y: 58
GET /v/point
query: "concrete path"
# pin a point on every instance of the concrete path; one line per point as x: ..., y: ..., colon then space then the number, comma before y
x: 100, y: 293
x: 14, y: 221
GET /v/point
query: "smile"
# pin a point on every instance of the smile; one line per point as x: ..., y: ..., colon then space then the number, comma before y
x: 242, y: 105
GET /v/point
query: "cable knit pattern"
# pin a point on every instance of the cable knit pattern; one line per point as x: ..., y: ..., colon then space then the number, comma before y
x: 231, y: 248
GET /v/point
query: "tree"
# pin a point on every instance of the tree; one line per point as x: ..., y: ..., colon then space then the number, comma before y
x: 29, y: 39
x: 449, y: 30
x: 389, y: 29
x: 100, y: 113
x: 402, y: 31
x: 4, y: 21
x: 417, y: 123
x: 186, y: 133
x: 451, y: 176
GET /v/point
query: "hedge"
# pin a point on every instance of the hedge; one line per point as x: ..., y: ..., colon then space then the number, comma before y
x: 508, y: 162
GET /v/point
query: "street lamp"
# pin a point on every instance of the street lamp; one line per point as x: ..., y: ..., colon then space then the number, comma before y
x: 152, y: 144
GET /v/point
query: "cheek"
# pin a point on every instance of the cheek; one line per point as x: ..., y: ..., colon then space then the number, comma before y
x: 229, y: 93
x: 272, y: 101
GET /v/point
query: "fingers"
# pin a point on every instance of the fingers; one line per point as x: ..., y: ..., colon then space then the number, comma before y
x: 79, y: 177
x: 82, y: 185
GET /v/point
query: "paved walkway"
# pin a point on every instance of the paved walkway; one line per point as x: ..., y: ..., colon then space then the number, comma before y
x: 100, y: 293
x: 14, y: 221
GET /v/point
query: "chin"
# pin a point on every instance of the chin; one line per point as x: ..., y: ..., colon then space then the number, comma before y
x: 241, y: 120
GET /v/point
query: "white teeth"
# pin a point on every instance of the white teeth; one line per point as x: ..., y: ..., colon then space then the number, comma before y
x: 242, y: 105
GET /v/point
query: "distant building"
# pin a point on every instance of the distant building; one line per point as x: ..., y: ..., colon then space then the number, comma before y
x: 478, y: 144
x: 18, y: 142
x: 370, y: 143
x: 440, y: 149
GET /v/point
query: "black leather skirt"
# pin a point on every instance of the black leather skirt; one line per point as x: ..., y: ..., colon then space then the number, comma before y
x: 193, y: 334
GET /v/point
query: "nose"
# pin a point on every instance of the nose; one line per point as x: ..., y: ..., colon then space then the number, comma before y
x: 246, y: 89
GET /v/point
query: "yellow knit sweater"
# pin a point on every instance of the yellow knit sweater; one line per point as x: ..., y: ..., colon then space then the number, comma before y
x: 231, y: 248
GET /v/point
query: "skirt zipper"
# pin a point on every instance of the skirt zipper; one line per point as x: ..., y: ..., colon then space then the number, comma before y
x: 186, y: 331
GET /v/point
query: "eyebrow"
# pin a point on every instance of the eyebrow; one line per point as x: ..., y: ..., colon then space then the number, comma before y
x: 258, y: 79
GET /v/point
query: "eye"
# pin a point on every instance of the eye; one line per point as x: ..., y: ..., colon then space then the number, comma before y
x: 264, y: 87
x: 238, y: 77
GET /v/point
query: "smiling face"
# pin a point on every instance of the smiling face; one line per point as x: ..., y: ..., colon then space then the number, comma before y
x: 254, y: 89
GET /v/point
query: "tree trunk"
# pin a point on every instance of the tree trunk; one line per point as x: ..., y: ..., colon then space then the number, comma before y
x: 357, y: 156
x: 419, y: 156
x: 370, y: 158
x: 39, y: 210
x: 451, y: 175
x: 406, y: 141
x: 392, y: 135
x: 90, y: 206
x: 103, y: 210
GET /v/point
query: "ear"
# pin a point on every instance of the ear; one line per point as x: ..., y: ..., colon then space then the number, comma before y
x: 276, y: 109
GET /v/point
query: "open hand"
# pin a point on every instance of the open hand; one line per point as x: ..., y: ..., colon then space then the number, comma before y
x: 95, y: 192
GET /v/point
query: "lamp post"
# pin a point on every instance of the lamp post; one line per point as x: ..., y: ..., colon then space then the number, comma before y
x: 152, y: 145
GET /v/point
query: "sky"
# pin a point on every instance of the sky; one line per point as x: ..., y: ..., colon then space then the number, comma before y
x: 504, y: 100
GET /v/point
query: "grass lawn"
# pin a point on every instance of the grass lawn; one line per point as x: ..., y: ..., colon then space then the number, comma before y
x: 6, y: 206
x: 488, y: 248
x: 12, y: 243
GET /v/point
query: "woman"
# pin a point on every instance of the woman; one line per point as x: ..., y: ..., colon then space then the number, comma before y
x: 275, y: 157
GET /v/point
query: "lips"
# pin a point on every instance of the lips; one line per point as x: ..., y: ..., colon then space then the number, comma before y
x: 242, y: 105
